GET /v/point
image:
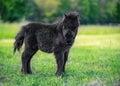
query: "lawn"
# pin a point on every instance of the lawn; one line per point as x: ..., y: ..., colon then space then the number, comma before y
x: 94, y: 60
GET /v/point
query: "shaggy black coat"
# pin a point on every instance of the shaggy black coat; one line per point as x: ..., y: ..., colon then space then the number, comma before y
x: 54, y: 38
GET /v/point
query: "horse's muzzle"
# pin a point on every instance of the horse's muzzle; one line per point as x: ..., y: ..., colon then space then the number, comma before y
x: 69, y: 42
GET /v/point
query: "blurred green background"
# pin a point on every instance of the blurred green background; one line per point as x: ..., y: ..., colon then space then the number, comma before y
x: 91, y: 11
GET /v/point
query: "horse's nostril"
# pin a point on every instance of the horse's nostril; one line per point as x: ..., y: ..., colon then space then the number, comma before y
x: 69, y: 42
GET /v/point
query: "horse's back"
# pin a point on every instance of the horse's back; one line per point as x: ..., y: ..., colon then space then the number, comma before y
x: 45, y: 39
x: 41, y: 35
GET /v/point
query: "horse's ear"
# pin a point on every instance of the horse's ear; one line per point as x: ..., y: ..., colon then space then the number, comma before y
x: 78, y: 15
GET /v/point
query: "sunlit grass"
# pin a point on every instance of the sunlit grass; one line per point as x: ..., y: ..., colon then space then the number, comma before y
x: 101, y: 41
x: 99, y: 30
x: 8, y: 30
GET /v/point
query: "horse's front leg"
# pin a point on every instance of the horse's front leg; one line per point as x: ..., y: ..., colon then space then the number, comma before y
x: 65, y: 59
x: 60, y: 62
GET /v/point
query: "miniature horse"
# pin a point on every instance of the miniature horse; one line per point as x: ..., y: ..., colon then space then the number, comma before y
x: 55, y: 38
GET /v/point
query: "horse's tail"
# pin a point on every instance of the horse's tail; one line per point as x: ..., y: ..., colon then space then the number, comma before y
x: 19, y: 40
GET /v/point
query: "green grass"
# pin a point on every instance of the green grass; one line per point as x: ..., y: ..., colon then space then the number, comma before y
x: 8, y: 31
x: 99, y: 30
x: 94, y: 59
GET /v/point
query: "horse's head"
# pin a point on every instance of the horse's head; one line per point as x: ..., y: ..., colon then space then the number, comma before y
x: 70, y: 27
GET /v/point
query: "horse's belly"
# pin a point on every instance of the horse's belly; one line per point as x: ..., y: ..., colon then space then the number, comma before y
x: 46, y: 49
x: 46, y: 46
x: 45, y: 41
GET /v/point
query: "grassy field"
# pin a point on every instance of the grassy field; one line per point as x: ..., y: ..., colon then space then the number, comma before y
x: 94, y: 60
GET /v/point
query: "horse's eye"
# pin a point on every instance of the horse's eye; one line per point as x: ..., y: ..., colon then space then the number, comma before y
x: 72, y: 29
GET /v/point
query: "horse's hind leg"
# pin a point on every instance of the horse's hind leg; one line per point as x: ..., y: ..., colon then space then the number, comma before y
x: 26, y: 58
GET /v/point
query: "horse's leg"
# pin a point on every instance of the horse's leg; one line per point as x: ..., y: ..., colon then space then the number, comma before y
x: 26, y: 58
x: 60, y: 62
x: 65, y: 59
